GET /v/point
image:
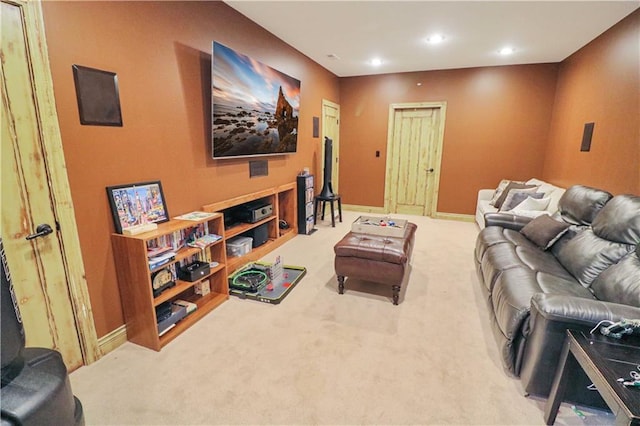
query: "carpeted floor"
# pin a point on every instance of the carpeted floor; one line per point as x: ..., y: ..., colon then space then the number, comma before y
x: 324, y: 358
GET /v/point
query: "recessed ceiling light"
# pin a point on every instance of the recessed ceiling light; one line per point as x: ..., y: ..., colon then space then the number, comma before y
x: 435, y: 39
x: 506, y: 50
x: 376, y: 62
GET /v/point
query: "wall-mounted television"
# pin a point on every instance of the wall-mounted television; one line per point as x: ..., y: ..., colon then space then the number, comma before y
x: 255, y: 108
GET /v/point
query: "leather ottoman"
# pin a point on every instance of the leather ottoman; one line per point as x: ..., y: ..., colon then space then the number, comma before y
x: 374, y: 258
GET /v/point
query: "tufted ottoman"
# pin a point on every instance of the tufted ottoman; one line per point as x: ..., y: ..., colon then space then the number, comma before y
x: 374, y: 258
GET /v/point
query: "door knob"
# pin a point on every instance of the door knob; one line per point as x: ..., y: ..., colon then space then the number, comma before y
x: 429, y: 170
x: 41, y: 231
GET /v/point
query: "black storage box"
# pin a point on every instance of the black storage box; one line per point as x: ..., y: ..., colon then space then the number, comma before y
x: 194, y: 271
x: 260, y: 235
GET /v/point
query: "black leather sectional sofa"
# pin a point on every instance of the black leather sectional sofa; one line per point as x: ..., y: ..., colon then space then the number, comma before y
x: 588, y: 274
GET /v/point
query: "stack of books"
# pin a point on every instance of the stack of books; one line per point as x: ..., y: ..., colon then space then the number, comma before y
x: 204, y: 241
x: 159, y: 256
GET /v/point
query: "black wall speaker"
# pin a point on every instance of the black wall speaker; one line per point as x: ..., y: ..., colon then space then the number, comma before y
x: 258, y: 168
x: 586, y: 137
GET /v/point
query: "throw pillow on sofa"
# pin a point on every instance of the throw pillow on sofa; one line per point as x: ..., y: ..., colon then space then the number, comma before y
x: 516, y: 197
x: 498, y: 192
x: 521, y: 187
x: 544, y: 231
x: 533, y: 204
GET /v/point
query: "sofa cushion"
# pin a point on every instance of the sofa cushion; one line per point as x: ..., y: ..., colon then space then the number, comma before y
x: 551, y: 191
x: 586, y: 255
x: 514, y: 288
x: 521, y: 187
x: 542, y: 261
x: 619, y: 220
x: 567, y: 286
x: 488, y: 237
x: 511, y: 299
x: 580, y: 204
x: 514, y: 198
x: 492, y: 235
x: 544, y: 231
x: 498, y: 192
x: 621, y: 282
x: 528, y: 213
x: 496, y: 259
x: 522, y: 253
x: 533, y: 204
x: 566, y: 237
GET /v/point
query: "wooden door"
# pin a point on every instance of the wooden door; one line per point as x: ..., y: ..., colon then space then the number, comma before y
x: 331, y: 129
x: 39, y: 270
x: 413, y: 161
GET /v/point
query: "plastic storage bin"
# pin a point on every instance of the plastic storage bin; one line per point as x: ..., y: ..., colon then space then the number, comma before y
x: 239, y: 246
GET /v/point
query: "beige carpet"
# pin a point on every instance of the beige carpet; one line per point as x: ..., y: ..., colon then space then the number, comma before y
x: 324, y: 358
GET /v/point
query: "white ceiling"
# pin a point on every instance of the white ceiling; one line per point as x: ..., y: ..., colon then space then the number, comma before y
x: 394, y: 31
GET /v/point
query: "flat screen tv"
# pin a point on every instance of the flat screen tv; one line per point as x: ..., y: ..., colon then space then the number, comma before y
x: 255, y: 108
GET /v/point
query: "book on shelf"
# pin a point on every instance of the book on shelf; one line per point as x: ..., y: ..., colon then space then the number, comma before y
x: 166, y: 329
x: 177, y: 239
x: 195, y: 216
x: 157, y: 251
x: 205, y: 240
x: 161, y: 259
x: 189, y: 306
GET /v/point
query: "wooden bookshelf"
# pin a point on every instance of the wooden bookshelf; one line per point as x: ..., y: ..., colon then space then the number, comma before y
x: 135, y: 279
x: 284, y: 202
x: 135, y: 274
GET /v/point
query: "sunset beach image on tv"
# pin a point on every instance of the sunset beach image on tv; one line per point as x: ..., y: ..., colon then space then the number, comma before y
x: 255, y: 108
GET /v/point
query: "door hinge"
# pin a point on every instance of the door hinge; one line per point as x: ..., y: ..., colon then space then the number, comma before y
x: 57, y: 226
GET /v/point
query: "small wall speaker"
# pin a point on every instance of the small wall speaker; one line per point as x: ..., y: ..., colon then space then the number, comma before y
x: 258, y: 168
x: 587, y: 134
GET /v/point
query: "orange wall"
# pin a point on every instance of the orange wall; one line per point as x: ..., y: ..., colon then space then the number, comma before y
x: 600, y: 83
x: 502, y: 122
x: 161, y: 52
x: 496, y: 126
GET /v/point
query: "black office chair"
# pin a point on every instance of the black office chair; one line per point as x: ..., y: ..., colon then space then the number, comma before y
x: 35, y: 384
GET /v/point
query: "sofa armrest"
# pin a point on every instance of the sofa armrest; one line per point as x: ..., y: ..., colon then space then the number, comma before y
x: 579, y: 311
x: 506, y: 220
x: 486, y: 194
x: 551, y: 316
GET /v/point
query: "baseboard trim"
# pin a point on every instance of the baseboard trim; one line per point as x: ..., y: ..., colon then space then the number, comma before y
x: 438, y: 215
x: 455, y: 216
x: 111, y: 341
x: 366, y: 209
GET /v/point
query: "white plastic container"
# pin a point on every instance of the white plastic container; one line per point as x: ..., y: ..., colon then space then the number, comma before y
x: 239, y: 246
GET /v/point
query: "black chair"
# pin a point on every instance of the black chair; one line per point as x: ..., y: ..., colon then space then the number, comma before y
x: 324, y: 199
x: 35, y: 384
